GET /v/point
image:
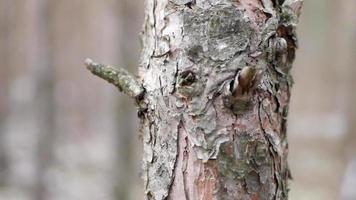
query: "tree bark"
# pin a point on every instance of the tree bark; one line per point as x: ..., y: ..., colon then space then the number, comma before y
x: 214, y: 98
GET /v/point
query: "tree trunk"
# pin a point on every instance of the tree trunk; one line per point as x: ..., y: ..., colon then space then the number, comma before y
x: 214, y: 97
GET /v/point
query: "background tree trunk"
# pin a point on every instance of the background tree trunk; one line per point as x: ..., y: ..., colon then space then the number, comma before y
x: 53, y: 143
x: 347, y: 190
x: 217, y: 89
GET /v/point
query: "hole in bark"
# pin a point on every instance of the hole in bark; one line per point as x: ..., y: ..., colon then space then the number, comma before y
x: 274, y: 2
x: 277, y: 2
x: 149, y: 195
x: 190, y: 4
x: 187, y: 78
x: 276, y: 86
x: 141, y: 112
x: 280, y: 2
x: 268, y: 15
x: 286, y: 32
x: 278, y: 104
x: 232, y: 83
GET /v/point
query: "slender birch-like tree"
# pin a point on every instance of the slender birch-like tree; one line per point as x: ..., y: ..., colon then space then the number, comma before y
x: 213, y: 97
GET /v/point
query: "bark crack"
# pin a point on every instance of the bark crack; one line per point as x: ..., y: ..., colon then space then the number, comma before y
x: 272, y: 151
x: 176, y: 159
x: 184, y: 168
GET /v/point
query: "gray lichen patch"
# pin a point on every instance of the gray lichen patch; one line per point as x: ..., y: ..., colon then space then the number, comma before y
x: 218, y: 33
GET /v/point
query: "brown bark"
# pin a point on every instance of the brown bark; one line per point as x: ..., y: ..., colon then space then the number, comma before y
x: 216, y: 87
x: 207, y: 134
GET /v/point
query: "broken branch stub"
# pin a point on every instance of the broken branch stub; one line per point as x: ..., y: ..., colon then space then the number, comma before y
x: 122, y: 79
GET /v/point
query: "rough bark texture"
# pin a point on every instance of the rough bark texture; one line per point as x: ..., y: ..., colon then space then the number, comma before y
x: 209, y: 130
x: 214, y: 97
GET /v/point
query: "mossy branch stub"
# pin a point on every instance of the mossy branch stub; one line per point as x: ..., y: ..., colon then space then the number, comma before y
x: 122, y: 79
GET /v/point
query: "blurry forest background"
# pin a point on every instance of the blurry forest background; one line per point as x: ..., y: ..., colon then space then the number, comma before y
x: 67, y: 135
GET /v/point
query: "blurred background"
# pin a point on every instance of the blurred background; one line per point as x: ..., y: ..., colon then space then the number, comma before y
x: 67, y: 135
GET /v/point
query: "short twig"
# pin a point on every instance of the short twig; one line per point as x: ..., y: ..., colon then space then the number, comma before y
x: 122, y: 79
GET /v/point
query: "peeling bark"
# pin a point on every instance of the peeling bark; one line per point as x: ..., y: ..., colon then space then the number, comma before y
x: 216, y: 79
x: 202, y: 139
